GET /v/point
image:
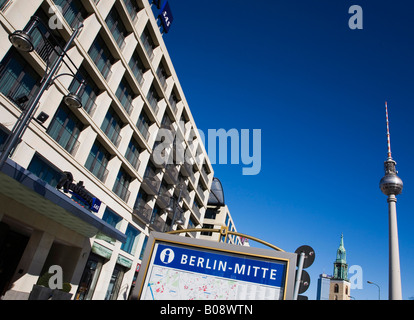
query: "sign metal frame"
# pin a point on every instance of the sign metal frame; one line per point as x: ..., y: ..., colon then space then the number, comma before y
x: 286, y: 258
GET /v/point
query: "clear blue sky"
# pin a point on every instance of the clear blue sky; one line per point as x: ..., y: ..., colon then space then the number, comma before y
x: 317, y: 91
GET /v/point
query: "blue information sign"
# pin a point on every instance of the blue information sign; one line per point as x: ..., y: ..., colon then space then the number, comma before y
x: 222, y: 265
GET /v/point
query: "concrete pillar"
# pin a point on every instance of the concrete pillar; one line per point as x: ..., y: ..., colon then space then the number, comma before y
x: 395, y: 292
x: 30, y: 265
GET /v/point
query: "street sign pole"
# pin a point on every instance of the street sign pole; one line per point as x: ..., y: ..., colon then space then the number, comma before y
x: 298, y: 275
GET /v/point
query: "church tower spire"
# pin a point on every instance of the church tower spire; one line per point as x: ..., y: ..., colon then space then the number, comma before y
x: 339, y: 284
x: 340, y: 265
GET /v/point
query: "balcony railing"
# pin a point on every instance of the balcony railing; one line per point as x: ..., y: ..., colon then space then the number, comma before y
x: 133, y: 158
x: 99, y: 170
x: 157, y: 223
x: 173, y: 104
x: 162, y: 78
x: 121, y: 191
x: 200, y: 193
x: 151, y: 182
x: 72, y: 16
x: 196, y: 211
x: 64, y: 137
x: 132, y: 10
x: 143, y: 211
x: 138, y: 73
x: 144, y: 129
x: 171, y: 173
x: 204, y: 174
x: 153, y: 102
x: 147, y: 45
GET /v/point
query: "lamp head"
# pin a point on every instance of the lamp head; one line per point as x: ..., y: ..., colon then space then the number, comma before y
x: 21, y: 40
x: 73, y: 99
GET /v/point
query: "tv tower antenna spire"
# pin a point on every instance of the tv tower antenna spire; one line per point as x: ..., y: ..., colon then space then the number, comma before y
x: 391, y: 185
x: 388, y: 132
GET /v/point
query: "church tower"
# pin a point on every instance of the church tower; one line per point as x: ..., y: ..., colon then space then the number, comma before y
x: 340, y: 287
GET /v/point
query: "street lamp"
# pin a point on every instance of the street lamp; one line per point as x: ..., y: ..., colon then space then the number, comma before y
x: 22, y: 40
x: 379, y: 289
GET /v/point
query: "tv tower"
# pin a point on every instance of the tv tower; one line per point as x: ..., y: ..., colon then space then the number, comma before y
x: 391, y: 185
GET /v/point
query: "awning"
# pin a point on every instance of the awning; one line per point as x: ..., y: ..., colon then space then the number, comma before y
x: 24, y: 187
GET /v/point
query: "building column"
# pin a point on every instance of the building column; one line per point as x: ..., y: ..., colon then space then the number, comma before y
x: 30, y: 265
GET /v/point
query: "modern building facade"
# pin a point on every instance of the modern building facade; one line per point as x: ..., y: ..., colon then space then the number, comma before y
x: 324, y: 283
x: 84, y: 187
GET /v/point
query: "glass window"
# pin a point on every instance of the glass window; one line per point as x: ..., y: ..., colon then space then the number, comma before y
x: 125, y: 95
x: 44, y: 170
x: 116, y: 27
x: 97, y: 161
x: 137, y: 67
x: 143, y: 124
x: 112, y: 218
x: 111, y: 126
x: 101, y: 56
x: 123, y: 179
x: 115, y: 283
x: 90, y: 93
x: 73, y: 11
x: 17, y: 77
x: 132, y: 153
x: 65, y: 129
x: 132, y: 239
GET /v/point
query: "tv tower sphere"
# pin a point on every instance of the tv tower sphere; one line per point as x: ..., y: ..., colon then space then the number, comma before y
x: 391, y: 183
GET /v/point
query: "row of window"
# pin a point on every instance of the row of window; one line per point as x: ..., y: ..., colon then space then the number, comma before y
x: 18, y: 80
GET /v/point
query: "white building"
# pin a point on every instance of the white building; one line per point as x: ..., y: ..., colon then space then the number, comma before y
x: 109, y: 144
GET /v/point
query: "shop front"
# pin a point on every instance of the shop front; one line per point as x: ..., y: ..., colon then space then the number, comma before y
x: 40, y: 227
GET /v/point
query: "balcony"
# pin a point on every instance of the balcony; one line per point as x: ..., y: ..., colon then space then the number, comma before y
x: 114, y: 135
x: 157, y: 223
x: 164, y: 197
x: 151, y: 183
x: 132, y: 10
x: 204, y: 175
x: 200, y: 192
x: 99, y: 170
x: 147, y: 45
x: 173, y: 104
x: 152, y: 101
x: 196, y: 211
x: 121, y: 191
x: 64, y: 137
x: 162, y: 77
x: 143, y: 128
x: 143, y: 211
x: 187, y: 169
x: 171, y: 174
x: 133, y: 158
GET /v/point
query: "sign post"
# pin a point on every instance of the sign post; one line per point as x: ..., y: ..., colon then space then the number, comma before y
x: 180, y: 268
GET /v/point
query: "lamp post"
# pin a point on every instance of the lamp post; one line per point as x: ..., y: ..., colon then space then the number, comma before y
x: 379, y: 289
x: 22, y: 40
